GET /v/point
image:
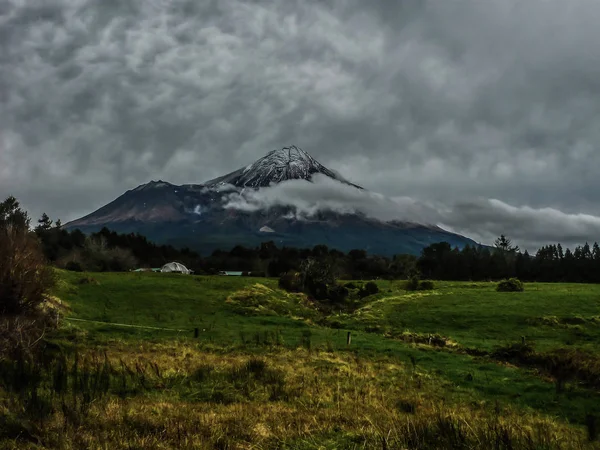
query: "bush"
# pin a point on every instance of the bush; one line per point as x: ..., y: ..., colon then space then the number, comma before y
x: 369, y: 289
x: 338, y: 294
x: 25, y: 281
x: 426, y: 285
x: 25, y: 278
x: 317, y: 275
x: 510, y: 285
x: 317, y: 290
x: 291, y: 282
x: 412, y: 284
x: 74, y: 266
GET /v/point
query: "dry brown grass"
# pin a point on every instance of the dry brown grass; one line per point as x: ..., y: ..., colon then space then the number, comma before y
x: 322, y: 400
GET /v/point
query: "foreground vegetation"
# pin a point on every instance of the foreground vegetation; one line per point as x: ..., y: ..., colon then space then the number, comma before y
x: 445, y: 368
x: 178, y: 395
x: 145, y: 360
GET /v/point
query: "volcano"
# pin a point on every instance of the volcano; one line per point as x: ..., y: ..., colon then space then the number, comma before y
x: 288, y: 163
x: 204, y: 218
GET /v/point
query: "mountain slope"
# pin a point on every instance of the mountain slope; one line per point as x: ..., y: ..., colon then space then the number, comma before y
x: 200, y: 216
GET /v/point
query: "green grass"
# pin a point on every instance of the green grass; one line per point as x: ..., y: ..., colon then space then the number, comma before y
x: 472, y: 314
x: 175, y: 302
x: 475, y: 315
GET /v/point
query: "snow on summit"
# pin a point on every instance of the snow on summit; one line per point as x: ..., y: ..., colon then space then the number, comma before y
x: 288, y: 163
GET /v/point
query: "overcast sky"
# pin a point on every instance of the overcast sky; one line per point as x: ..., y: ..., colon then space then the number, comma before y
x: 486, y: 110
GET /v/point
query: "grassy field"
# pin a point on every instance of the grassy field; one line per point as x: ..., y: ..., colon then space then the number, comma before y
x: 462, y: 366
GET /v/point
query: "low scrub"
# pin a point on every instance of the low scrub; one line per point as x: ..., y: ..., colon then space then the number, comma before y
x: 426, y: 285
x: 414, y: 284
x: 564, y: 365
x: 370, y: 288
x: 510, y: 285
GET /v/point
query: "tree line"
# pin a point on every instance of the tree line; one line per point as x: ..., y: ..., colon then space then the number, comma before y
x: 107, y: 250
x: 551, y: 263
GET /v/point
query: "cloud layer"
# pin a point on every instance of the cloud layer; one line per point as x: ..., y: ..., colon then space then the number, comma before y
x: 481, y: 219
x: 445, y: 103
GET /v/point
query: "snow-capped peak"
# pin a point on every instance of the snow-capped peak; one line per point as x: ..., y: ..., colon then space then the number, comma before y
x: 152, y: 185
x: 288, y: 163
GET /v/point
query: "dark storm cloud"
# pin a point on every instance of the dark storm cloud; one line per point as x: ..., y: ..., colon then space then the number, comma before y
x: 440, y: 101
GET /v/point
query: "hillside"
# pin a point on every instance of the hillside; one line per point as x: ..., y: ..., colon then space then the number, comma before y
x: 281, y: 369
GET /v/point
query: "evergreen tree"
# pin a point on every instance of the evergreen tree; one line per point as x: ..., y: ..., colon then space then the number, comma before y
x: 12, y: 214
x: 44, y: 224
x: 504, y: 244
x: 596, y: 252
x: 586, y: 252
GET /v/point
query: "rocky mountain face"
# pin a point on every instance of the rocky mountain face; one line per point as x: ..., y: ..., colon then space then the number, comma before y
x: 199, y: 216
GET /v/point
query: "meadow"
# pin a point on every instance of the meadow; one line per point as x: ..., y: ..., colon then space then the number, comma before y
x: 460, y: 366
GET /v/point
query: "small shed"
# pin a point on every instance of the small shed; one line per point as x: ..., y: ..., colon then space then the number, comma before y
x: 229, y: 273
x: 175, y: 267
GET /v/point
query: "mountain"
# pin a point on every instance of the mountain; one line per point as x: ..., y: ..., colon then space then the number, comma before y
x: 202, y: 217
x: 288, y: 163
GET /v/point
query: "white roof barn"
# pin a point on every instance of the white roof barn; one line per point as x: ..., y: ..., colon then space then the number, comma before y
x: 175, y: 267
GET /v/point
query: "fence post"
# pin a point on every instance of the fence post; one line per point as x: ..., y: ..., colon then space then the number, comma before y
x: 196, y: 333
x: 349, y: 338
x: 591, y: 423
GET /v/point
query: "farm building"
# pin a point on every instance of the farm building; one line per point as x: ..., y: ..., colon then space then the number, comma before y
x: 175, y: 267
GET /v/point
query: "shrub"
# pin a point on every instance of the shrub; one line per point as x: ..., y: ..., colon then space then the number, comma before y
x: 338, y: 294
x: 371, y: 288
x: 412, y: 284
x: 510, y: 285
x: 74, y: 266
x: 291, y: 282
x: 426, y: 285
x: 317, y: 290
x: 317, y: 275
x: 24, y: 276
x: 25, y: 281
